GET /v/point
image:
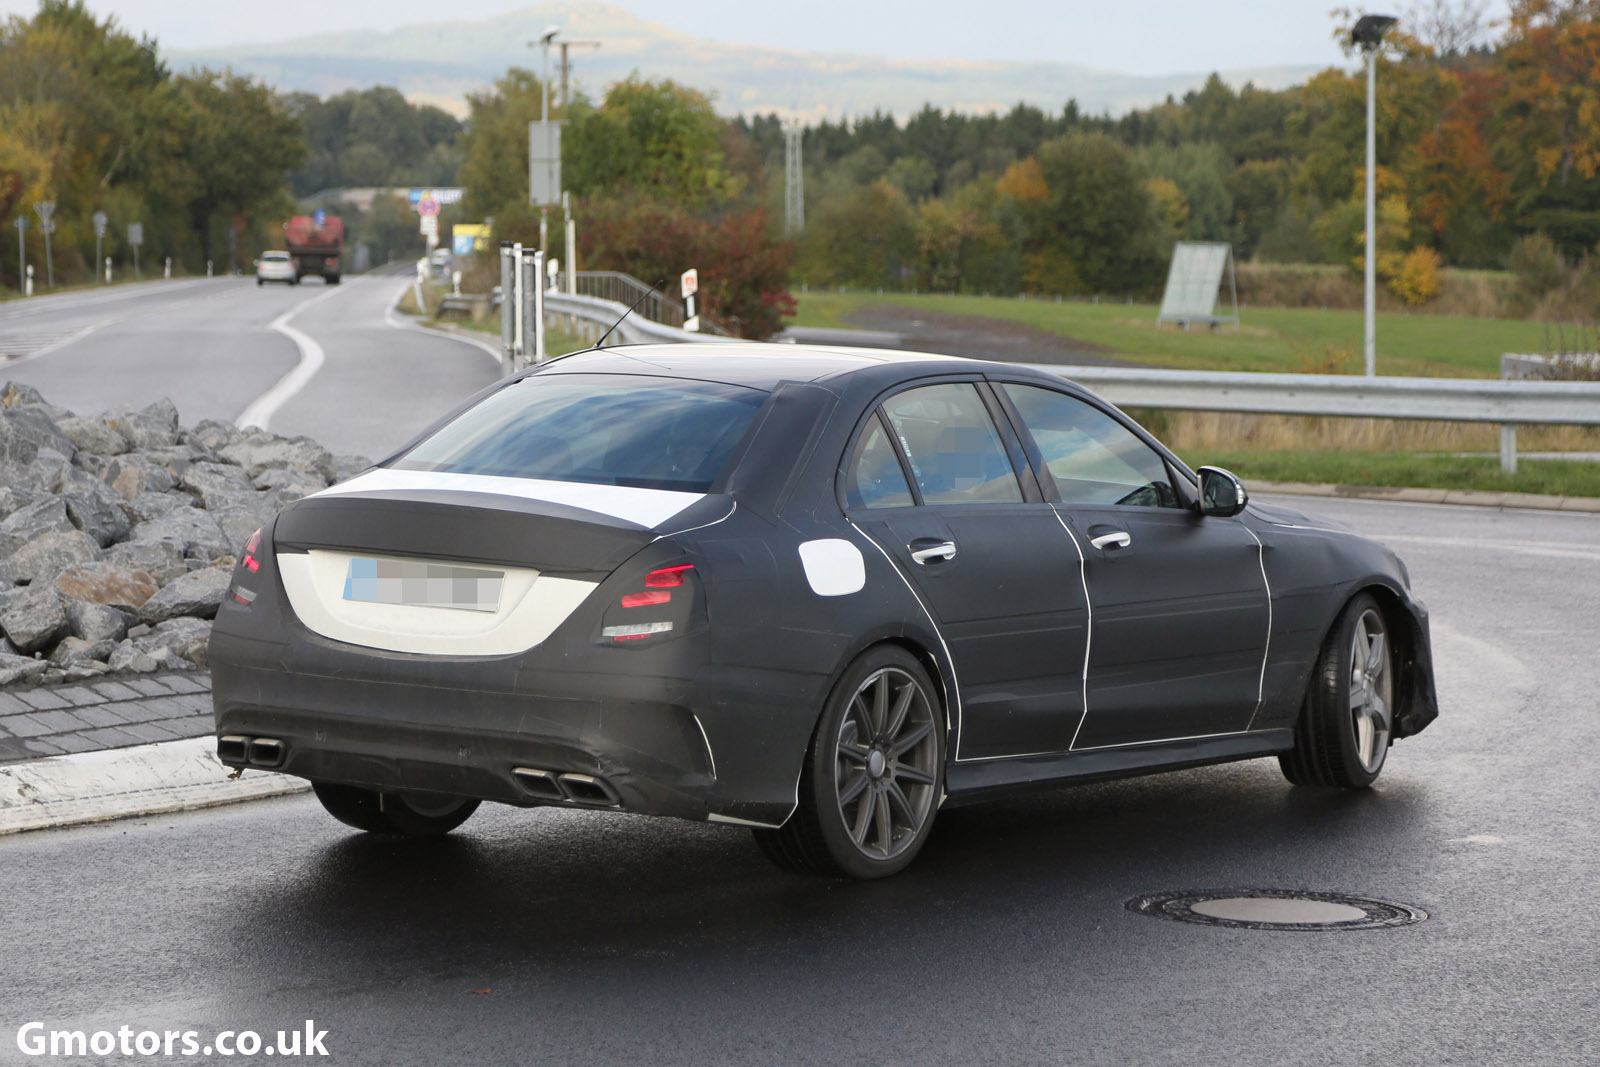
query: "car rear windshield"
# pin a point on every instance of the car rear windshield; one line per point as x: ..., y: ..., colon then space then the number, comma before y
x: 652, y: 433
x: 276, y: 257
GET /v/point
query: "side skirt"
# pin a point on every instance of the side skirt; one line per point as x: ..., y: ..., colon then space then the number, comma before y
x: 971, y: 781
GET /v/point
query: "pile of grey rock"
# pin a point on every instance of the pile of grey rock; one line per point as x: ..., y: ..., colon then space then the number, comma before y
x: 119, y: 533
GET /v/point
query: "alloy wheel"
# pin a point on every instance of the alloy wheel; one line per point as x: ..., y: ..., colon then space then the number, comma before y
x: 885, y: 768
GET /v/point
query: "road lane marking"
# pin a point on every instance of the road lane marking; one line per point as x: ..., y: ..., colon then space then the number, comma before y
x: 1549, y: 549
x: 19, y: 347
x: 263, y: 407
x: 393, y: 318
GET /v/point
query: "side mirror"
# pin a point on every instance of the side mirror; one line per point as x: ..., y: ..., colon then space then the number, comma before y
x: 1221, y: 493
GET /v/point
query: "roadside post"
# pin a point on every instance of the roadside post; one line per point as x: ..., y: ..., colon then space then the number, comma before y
x: 532, y: 309
x: 416, y: 285
x: 690, y: 284
x: 166, y: 271
x: 508, y: 307
x: 46, y: 209
x: 22, y: 248
x: 136, y: 238
x: 108, y: 270
x: 572, y: 243
x: 28, y: 290
x: 99, y: 218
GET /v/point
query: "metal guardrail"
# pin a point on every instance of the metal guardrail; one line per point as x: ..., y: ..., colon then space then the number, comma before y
x: 634, y: 329
x: 1509, y: 403
x: 627, y: 290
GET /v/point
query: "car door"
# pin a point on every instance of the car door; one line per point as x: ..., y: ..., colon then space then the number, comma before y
x: 932, y: 481
x: 1180, y: 610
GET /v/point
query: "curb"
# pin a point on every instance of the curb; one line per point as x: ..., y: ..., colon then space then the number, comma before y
x: 1460, y: 497
x: 121, y: 782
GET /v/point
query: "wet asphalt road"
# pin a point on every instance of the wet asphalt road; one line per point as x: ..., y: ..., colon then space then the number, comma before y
x: 530, y: 937
x: 209, y: 345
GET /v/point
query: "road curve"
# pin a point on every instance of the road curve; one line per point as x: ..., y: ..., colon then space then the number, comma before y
x: 208, y: 345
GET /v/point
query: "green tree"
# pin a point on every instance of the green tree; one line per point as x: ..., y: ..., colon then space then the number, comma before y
x: 654, y: 138
x: 241, y: 145
x: 1098, y: 223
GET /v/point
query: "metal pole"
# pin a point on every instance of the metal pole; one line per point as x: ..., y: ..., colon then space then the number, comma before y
x: 1371, y: 256
x: 572, y: 245
x: 49, y: 260
x: 1508, y: 447
x: 22, y: 250
x: 508, y: 310
x: 97, y: 239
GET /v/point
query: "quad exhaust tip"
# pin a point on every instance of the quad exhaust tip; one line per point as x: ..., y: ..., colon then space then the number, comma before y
x: 567, y: 788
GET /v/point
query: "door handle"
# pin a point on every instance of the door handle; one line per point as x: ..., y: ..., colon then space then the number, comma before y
x: 1115, y: 539
x: 923, y: 550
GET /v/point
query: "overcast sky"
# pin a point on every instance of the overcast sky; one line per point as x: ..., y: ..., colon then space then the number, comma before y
x: 1135, y: 36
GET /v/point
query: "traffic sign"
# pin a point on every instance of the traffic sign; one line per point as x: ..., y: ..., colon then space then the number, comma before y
x: 45, y: 208
x: 427, y: 206
x: 136, y: 234
x: 690, y: 282
x: 99, y: 218
x: 318, y: 217
x: 430, y: 225
x: 21, y: 222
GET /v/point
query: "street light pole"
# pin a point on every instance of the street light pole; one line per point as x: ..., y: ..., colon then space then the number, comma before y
x: 1368, y: 34
x: 544, y: 116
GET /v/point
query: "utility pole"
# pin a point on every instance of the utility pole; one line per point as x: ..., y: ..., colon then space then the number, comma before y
x: 21, y: 222
x: 794, y: 214
x: 566, y: 69
x: 1368, y: 36
x: 46, y: 209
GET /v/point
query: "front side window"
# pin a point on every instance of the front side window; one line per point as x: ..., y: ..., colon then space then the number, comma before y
x: 608, y: 429
x: 955, y: 451
x: 1093, y: 458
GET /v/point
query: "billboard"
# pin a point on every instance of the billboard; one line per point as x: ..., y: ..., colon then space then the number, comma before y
x: 1193, y: 282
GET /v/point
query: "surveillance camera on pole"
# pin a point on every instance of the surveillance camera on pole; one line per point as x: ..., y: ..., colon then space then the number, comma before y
x: 1368, y: 36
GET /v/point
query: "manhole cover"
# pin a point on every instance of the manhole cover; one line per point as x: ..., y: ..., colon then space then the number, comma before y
x: 1275, y: 909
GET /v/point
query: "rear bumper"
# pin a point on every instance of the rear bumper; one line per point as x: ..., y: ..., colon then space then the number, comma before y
x: 694, y: 746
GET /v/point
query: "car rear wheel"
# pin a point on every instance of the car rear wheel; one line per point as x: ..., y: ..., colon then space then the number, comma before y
x: 1347, y: 721
x: 873, y: 777
x: 401, y: 814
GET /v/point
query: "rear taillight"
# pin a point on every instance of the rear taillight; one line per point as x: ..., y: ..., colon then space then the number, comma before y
x: 251, y: 563
x: 660, y: 585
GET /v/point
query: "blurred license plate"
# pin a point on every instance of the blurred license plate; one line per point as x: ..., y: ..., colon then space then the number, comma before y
x: 417, y: 584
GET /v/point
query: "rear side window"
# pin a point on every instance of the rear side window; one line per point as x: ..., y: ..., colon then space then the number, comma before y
x: 875, y: 479
x: 651, y: 433
x: 955, y: 451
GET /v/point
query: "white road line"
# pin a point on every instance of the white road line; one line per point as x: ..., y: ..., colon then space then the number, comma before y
x: 26, y: 346
x: 263, y: 407
x: 395, y: 319
x: 1547, y: 549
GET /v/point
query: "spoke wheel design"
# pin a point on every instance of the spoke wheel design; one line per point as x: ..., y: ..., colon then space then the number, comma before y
x: 401, y: 814
x: 884, y: 768
x: 873, y: 777
x: 1371, y: 690
x: 1347, y: 721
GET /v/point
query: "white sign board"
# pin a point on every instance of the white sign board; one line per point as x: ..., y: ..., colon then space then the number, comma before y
x: 690, y: 282
x: 544, y: 163
x: 1193, y: 282
x: 430, y: 225
x: 136, y: 233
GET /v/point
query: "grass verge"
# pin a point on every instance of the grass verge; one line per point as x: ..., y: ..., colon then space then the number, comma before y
x: 1268, y: 339
x: 1408, y: 470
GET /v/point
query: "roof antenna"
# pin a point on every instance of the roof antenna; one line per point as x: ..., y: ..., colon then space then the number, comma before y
x: 651, y: 292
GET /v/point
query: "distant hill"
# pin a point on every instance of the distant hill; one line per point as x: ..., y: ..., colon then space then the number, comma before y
x: 440, y: 63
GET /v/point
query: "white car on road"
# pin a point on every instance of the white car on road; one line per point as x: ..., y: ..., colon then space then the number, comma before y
x: 275, y: 267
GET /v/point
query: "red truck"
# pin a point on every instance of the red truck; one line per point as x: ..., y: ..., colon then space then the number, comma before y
x: 315, y: 248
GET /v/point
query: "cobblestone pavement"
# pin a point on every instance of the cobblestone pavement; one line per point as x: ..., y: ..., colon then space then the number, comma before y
x: 55, y: 720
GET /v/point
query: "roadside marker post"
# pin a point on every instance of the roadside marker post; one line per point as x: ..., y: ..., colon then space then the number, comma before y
x: 108, y: 270
x: 690, y: 285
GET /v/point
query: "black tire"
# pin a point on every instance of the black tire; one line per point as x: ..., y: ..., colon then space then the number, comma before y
x: 1332, y: 745
x: 891, y: 780
x: 330, y: 279
x: 261, y: 282
x: 399, y: 814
